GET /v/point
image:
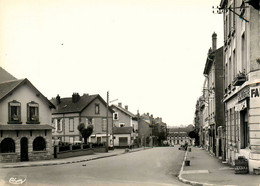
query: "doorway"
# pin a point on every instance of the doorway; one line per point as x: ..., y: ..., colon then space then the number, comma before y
x: 24, y: 149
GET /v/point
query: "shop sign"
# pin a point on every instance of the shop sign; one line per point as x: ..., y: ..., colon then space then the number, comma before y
x: 254, y: 97
x: 240, y: 106
x: 244, y: 93
x: 254, y: 93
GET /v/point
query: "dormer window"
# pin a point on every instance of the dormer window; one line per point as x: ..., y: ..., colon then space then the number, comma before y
x: 14, y: 108
x: 33, y: 113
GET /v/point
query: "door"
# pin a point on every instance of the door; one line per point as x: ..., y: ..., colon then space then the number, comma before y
x: 24, y: 149
x: 123, y: 141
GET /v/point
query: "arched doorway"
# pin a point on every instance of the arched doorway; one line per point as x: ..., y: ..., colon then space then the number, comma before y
x: 24, y: 149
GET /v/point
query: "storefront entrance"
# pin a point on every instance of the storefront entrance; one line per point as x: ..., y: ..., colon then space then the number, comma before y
x: 24, y: 149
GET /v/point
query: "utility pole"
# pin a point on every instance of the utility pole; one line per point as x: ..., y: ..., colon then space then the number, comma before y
x: 107, y: 121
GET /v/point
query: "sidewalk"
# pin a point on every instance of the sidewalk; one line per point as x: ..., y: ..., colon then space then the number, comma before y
x: 205, y: 169
x: 77, y: 159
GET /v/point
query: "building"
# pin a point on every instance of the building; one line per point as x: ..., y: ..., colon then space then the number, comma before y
x: 180, y: 135
x: 159, y: 131
x: 212, y: 96
x: 242, y: 80
x: 145, y: 130
x: 125, y: 130
x: 25, y: 122
x: 88, y: 109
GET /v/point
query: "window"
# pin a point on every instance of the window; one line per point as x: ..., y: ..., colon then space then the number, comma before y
x: 234, y: 64
x: 59, y: 125
x: 115, y: 116
x: 14, y: 109
x: 7, y: 146
x: 243, y: 53
x: 104, y: 124
x: 97, y: 109
x: 53, y: 124
x: 33, y: 112
x: 121, y: 124
x: 39, y: 144
x: 71, y: 124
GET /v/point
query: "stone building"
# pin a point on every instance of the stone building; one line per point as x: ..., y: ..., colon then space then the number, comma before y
x: 213, y: 94
x: 242, y: 80
x: 25, y: 122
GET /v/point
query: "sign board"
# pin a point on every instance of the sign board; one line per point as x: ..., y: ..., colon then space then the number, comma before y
x: 254, y: 96
x: 244, y: 93
x: 240, y: 106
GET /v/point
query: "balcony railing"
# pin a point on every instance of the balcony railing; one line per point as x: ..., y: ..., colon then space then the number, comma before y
x: 239, y: 79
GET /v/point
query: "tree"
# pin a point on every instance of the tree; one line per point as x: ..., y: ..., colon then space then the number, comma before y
x: 85, y: 132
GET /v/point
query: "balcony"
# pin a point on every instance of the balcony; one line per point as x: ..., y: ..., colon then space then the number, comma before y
x: 239, y: 79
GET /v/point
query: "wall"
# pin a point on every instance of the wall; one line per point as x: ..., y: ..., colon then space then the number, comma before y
x: 24, y: 95
x: 122, y: 118
x: 90, y: 113
x: 32, y: 155
x: 116, y: 140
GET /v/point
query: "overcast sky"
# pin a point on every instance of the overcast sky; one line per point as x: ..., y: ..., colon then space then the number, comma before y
x: 149, y: 54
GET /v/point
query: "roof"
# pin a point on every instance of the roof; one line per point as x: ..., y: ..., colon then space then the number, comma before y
x: 127, y: 112
x: 211, y: 59
x: 178, y: 134
x: 122, y: 130
x: 6, y: 88
x: 5, y: 76
x: 66, y: 105
x: 25, y: 127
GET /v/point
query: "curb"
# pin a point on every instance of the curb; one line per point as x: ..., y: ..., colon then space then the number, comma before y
x: 69, y: 162
x: 193, y: 182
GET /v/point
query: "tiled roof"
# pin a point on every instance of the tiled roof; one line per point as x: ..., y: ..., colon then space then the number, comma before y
x: 67, y: 106
x: 25, y: 127
x: 124, y: 110
x: 122, y: 130
x: 7, y: 87
x: 5, y: 76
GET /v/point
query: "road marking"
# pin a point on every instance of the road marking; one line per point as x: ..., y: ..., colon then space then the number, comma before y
x: 195, y: 171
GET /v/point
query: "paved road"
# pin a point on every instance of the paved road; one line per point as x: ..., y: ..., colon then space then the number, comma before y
x: 156, y: 166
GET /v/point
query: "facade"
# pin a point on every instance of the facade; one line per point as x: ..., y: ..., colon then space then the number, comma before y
x: 213, y: 115
x: 145, y: 130
x: 242, y: 81
x: 125, y: 130
x: 180, y: 135
x: 87, y: 109
x: 159, y: 131
x: 25, y: 122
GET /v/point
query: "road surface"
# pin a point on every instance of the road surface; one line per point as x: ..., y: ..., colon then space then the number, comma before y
x: 156, y: 166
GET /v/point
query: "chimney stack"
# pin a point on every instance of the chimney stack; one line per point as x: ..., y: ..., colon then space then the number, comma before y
x: 120, y: 104
x: 75, y: 97
x: 126, y: 107
x: 58, y: 99
x: 214, y: 41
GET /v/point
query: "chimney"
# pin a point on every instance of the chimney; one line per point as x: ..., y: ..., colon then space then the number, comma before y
x: 58, y: 99
x: 75, y: 97
x: 120, y: 104
x: 214, y: 41
x: 126, y: 107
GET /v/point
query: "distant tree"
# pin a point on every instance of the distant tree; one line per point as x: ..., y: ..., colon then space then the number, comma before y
x: 85, y: 132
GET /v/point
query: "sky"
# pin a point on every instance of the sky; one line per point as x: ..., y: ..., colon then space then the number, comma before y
x: 149, y: 54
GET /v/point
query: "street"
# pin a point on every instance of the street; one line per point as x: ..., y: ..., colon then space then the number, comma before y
x: 156, y: 166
